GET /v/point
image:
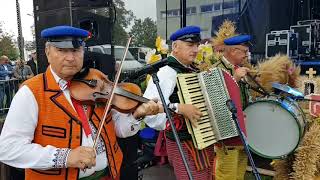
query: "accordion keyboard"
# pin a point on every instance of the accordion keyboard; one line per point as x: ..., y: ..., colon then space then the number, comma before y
x: 208, y: 92
x: 202, y: 135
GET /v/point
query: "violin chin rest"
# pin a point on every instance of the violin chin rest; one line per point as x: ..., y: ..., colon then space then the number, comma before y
x: 82, y: 73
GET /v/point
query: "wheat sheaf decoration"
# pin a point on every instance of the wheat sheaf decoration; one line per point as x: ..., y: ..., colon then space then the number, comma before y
x: 226, y: 30
x: 280, y: 69
x: 307, y: 156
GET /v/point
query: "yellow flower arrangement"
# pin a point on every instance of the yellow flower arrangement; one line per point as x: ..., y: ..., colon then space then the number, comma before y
x: 152, y: 57
x: 161, y: 46
x: 156, y: 54
x: 204, y: 57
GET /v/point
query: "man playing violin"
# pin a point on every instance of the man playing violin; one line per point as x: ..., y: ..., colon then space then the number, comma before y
x: 51, y: 134
x: 184, y: 51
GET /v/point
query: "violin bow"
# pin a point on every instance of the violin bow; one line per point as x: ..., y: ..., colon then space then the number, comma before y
x: 112, y: 94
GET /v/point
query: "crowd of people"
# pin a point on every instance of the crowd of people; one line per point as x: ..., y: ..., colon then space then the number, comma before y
x: 12, y: 73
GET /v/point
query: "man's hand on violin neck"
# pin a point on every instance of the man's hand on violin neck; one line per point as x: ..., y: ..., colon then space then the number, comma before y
x: 82, y: 157
x: 149, y: 108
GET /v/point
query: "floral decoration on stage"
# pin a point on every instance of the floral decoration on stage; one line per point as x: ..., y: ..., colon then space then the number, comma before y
x: 279, y: 68
x: 205, y: 59
x: 226, y: 30
x: 161, y: 51
x: 161, y: 46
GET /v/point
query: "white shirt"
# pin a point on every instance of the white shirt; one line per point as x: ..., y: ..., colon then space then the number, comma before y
x: 17, y: 149
x: 167, y: 80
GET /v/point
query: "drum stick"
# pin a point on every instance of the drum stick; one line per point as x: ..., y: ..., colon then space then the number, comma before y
x: 262, y: 171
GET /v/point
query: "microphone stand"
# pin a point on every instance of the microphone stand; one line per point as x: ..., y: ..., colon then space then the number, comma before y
x: 174, y: 131
x: 259, y: 88
x: 233, y: 110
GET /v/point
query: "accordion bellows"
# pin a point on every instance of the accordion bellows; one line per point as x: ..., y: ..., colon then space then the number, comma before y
x: 209, y: 91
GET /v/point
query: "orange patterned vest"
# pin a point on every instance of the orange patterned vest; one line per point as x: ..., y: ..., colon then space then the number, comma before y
x: 59, y: 126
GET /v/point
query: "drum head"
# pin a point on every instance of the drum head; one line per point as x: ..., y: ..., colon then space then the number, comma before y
x: 272, y: 131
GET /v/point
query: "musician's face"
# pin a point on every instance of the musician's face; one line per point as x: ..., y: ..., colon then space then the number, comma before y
x: 239, y: 54
x: 65, y: 62
x: 186, y: 52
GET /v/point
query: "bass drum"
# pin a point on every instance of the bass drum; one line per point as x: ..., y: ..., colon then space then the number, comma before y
x: 275, y: 126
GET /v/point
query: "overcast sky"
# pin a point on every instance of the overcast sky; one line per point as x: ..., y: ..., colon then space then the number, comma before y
x: 8, y: 15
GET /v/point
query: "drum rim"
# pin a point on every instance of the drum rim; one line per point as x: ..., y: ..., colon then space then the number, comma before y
x: 301, y: 134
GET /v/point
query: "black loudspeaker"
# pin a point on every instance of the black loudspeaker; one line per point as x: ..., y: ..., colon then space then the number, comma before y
x: 67, y: 12
x: 104, y: 62
x: 99, y: 26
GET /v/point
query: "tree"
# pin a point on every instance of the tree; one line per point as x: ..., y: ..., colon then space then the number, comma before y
x: 7, y: 46
x: 123, y: 20
x: 144, y: 33
x: 30, y: 45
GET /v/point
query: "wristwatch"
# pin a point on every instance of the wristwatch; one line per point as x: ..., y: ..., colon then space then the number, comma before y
x: 174, y: 107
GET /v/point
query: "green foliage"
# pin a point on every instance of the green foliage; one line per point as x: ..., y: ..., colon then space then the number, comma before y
x: 144, y: 32
x: 120, y: 36
x: 30, y: 45
x: 7, y: 46
x: 123, y: 20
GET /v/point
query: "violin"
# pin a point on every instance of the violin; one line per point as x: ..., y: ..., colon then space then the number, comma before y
x: 92, y: 86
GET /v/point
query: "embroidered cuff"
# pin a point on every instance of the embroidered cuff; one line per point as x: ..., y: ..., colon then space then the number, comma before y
x: 60, y: 157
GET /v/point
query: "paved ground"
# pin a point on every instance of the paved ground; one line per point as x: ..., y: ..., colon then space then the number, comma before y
x: 164, y: 172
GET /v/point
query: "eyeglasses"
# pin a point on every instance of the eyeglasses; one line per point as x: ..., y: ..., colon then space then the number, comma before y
x: 245, y: 51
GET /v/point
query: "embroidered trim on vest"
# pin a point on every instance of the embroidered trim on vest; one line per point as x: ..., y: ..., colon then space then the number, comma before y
x: 100, y: 148
x: 116, y: 147
x: 110, y: 158
x: 54, y: 131
x: 60, y: 158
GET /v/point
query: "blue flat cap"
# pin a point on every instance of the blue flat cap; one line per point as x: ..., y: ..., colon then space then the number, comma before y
x: 188, y: 34
x: 65, y: 36
x: 237, y: 40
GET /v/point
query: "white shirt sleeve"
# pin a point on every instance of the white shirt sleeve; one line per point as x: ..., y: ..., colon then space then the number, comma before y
x: 16, y: 147
x: 125, y: 124
x: 167, y: 79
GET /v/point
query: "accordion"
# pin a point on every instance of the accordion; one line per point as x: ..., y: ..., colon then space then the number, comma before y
x: 209, y: 92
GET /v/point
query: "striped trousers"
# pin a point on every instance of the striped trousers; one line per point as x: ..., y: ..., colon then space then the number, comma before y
x: 176, y: 161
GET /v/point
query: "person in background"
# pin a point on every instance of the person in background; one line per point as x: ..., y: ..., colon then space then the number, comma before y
x: 33, y: 63
x: 7, y: 87
x: 5, y: 68
x: 22, y: 71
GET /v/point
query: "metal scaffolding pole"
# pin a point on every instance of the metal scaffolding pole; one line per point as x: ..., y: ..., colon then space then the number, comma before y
x: 20, y: 37
x: 183, y: 16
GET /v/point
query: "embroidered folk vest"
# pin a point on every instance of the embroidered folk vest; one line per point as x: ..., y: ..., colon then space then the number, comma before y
x: 59, y: 125
x: 243, y: 89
